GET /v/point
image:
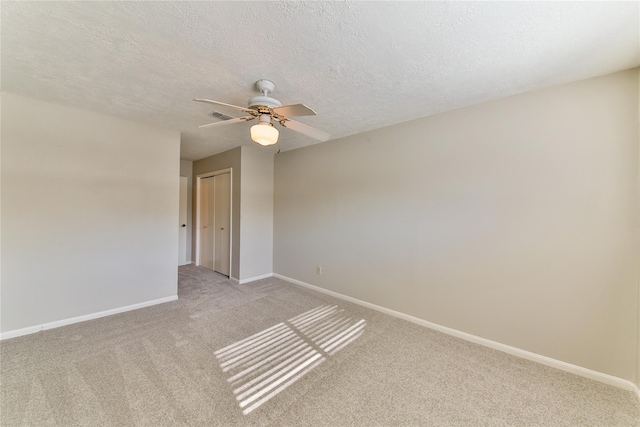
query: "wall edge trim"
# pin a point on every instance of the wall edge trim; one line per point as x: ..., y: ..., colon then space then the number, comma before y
x: 58, y: 323
x: 514, y: 351
x: 254, y: 278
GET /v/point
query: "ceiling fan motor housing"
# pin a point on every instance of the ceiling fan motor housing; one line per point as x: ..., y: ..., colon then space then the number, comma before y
x: 264, y: 101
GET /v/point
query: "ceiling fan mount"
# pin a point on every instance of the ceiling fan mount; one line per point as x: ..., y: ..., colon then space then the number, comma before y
x: 268, y: 109
x: 264, y: 100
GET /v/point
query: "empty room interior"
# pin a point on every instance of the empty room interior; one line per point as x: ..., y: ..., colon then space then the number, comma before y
x: 320, y: 213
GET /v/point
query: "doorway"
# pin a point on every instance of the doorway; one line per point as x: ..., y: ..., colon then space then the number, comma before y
x: 182, y: 222
x: 213, y: 235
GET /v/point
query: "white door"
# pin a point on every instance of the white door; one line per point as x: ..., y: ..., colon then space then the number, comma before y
x: 206, y: 222
x: 222, y: 222
x: 182, y: 223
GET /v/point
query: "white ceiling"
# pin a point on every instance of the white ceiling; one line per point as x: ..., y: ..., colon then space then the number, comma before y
x: 360, y: 65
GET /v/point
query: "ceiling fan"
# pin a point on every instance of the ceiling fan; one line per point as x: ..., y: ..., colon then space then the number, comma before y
x: 269, y: 110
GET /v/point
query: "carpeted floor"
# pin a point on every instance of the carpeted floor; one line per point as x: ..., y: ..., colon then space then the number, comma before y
x: 273, y: 353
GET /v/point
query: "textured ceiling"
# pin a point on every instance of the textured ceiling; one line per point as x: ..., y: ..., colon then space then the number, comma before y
x: 360, y: 65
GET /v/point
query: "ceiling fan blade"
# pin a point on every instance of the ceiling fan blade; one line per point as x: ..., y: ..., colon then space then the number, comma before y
x: 305, y: 129
x: 294, y: 110
x: 228, y: 122
x: 209, y: 101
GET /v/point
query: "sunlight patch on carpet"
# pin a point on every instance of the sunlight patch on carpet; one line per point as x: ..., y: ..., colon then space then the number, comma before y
x: 266, y: 363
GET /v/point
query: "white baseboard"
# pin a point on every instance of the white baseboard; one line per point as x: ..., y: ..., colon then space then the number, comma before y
x: 64, y: 322
x: 253, y: 279
x: 554, y: 363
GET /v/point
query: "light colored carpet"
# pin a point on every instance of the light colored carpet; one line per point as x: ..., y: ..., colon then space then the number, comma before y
x: 272, y: 353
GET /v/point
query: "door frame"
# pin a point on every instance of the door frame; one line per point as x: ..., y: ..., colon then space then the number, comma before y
x: 197, y: 209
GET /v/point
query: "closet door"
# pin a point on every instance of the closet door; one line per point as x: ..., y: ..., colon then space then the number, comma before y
x: 222, y: 222
x: 206, y: 222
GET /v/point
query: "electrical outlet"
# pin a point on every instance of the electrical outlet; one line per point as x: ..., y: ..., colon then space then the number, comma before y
x: 318, y: 270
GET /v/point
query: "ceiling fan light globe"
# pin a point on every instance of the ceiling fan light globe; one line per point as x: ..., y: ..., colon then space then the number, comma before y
x: 264, y: 134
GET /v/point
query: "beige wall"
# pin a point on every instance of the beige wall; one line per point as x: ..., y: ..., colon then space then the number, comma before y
x: 228, y: 159
x: 89, y: 213
x: 515, y: 220
x: 256, y: 235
